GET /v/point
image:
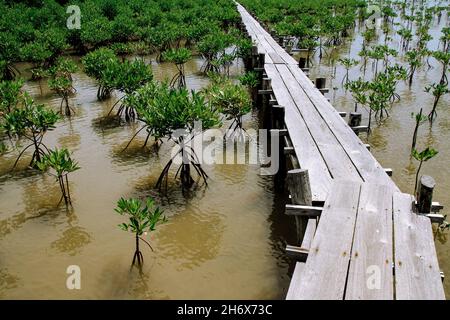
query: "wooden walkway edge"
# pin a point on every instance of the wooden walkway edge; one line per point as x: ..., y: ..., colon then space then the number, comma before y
x: 366, y: 240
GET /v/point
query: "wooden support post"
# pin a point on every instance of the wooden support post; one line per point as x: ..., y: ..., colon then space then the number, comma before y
x: 254, y: 56
x: 343, y: 114
x: 300, y: 189
x: 425, y: 194
x: 277, y: 117
x: 261, y: 60
x: 297, y: 253
x: 302, y: 62
x: 354, y: 119
x: 367, y: 146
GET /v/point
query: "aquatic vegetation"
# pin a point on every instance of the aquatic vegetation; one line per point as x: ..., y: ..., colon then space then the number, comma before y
x: 179, y: 57
x: 143, y: 219
x: 61, y: 163
x: 232, y: 100
x: 95, y: 63
x: 62, y: 83
x: 31, y: 122
x: 422, y: 157
x: 437, y: 90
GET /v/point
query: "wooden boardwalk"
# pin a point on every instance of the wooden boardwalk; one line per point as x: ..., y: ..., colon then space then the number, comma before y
x: 369, y: 244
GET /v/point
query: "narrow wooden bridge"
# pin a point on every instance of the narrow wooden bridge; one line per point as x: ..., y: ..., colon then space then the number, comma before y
x: 362, y: 237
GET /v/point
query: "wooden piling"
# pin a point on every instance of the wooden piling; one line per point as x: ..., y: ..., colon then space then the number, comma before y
x: 300, y: 189
x: 355, y: 119
x: 425, y: 194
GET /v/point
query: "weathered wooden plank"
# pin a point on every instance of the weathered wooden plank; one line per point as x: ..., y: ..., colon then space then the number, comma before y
x: 337, y: 160
x: 295, y: 280
x: 326, y: 268
x: 307, y: 152
x: 370, y: 275
x: 364, y: 161
x: 417, y: 274
x: 309, y: 233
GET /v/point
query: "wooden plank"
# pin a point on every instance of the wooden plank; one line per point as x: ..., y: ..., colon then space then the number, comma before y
x: 309, y: 233
x: 305, y: 147
x: 303, y: 210
x: 370, y: 275
x: 295, y: 280
x: 336, y: 159
x: 417, y: 274
x: 326, y: 269
x: 364, y: 161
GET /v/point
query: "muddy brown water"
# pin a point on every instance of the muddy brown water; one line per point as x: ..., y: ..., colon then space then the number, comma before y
x: 224, y: 241
x: 391, y: 140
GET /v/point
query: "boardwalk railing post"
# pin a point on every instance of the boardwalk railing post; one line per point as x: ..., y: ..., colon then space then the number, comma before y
x: 425, y: 194
x: 254, y: 56
x: 300, y: 189
x: 354, y: 119
x: 321, y: 85
x: 302, y: 64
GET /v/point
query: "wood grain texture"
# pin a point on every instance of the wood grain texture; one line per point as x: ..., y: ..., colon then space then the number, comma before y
x: 370, y: 275
x: 417, y: 274
x: 325, y: 271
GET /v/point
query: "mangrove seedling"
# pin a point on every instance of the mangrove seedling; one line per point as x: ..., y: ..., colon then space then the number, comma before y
x: 10, y: 95
x: 230, y: 99
x: 420, y: 118
x: 142, y: 220
x: 30, y: 122
x: 422, y: 157
x: 444, y: 59
x: 95, y: 63
x: 62, y: 83
x: 127, y: 77
x: 251, y: 81
x: 437, y: 90
x: 347, y: 63
x: 414, y: 59
x: 61, y: 163
x: 179, y: 57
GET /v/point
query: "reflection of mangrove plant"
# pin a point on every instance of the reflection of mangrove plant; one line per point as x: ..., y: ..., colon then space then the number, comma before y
x: 142, y: 220
x: 62, y: 164
x: 30, y: 122
x: 179, y: 57
x: 437, y: 90
x: 422, y: 157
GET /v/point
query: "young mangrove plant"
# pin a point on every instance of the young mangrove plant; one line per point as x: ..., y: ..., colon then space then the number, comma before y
x: 142, y: 220
x: 230, y: 99
x: 10, y: 95
x: 212, y: 47
x: 251, y: 81
x: 444, y: 59
x: 422, y: 157
x: 358, y: 89
x: 414, y: 59
x: 95, y: 63
x: 61, y: 163
x: 437, y: 90
x: 347, y: 63
x: 179, y: 57
x: 62, y: 83
x: 30, y: 122
x: 127, y: 77
x: 420, y: 119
